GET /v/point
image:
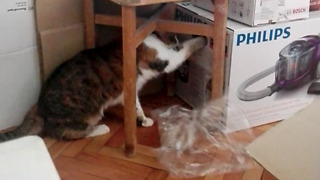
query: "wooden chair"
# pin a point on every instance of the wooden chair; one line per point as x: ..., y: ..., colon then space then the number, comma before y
x: 134, y: 30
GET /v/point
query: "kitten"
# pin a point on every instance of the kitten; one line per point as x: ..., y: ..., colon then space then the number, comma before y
x: 73, y: 98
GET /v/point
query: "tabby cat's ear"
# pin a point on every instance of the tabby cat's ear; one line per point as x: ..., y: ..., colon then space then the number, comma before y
x: 158, y: 64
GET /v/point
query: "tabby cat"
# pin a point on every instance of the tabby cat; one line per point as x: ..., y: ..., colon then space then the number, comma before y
x: 73, y: 98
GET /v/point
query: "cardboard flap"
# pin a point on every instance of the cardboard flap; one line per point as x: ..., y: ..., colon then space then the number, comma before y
x: 291, y: 150
x: 60, y: 44
x: 52, y: 14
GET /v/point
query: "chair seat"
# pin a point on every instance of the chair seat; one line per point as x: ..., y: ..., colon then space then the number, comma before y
x: 142, y: 2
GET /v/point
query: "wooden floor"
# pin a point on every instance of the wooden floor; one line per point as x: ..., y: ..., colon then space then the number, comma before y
x: 102, y: 158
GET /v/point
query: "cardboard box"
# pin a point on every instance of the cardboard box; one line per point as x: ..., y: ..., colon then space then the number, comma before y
x: 17, y: 28
x: 290, y: 150
x: 60, y: 25
x: 60, y: 30
x: 257, y: 12
x: 59, y: 45
x: 249, y: 51
x: 314, y: 5
x: 204, y: 4
x: 19, y: 61
x: 58, y: 13
x: 193, y: 79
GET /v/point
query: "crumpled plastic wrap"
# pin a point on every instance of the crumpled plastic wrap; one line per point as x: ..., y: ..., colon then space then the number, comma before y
x: 197, y: 142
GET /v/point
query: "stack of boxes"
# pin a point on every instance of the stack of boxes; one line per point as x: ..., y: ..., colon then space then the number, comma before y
x: 257, y: 30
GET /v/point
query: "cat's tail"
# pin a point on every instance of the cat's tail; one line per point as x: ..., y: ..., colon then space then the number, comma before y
x: 31, y: 125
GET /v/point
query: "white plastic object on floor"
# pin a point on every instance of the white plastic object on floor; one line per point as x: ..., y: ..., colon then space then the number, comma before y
x: 26, y: 158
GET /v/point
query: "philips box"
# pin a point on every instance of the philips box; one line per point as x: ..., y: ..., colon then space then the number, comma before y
x: 204, y: 4
x: 264, y: 77
x: 257, y: 12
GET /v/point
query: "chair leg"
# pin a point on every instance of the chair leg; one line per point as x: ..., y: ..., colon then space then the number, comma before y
x: 89, y: 23
x: 129, y: 77
x: 218, y: 55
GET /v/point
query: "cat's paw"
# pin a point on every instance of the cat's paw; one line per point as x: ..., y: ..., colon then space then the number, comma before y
x: 99, y: 130
x: 147, y: 122
x: 144, y: 121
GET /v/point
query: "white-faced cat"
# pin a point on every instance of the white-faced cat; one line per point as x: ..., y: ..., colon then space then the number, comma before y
x: 73, y: 98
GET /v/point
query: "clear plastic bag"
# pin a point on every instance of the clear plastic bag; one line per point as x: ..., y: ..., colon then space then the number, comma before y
x: 197, y: 142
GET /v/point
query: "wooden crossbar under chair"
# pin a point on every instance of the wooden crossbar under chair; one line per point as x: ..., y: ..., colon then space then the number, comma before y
x: 135, y: 30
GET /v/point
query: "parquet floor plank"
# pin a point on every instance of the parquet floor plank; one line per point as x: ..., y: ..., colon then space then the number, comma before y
x: 147, y: 151
x: 109, y: 163
x: 157, y: 175
x: 98, y: 142
x: 149, y: 136
x: 58, y: 148
x: 267, y: 176
x: 139, y: 158
x: 173, y: 178
x: 197, y: 178
x: 95, y: 169
x: 234, y: 176
x: 214, y: 177
x: 117, y: 139
x: 76, y: 147
x: 253, y: 174
x: 67, y: 174
x: 49, y: 141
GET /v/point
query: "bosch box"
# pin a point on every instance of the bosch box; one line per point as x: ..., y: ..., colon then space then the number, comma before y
x: 314, y: 5
x: 268, y: 69
x: 256, y: 12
